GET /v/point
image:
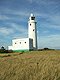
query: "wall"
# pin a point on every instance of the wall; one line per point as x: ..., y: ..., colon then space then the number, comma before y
x: 20, y: 44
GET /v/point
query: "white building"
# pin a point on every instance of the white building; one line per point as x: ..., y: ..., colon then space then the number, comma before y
x: 26, y: 44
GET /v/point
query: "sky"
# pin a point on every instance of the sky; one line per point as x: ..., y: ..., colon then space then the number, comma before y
x: 14, y: 15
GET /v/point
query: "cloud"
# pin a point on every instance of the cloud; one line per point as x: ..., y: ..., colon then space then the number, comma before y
x: 57, y: 27
x: 6, y: 31
x: 24, y: 13
x: 3, y: 17
x: 30, y: 1
x: 55, y: 19
x: 49, y: 22
x: 15, y: 29
x: 52, y: 41
x: 15, y: 12
x: 11, y: 17
x: 44, y: 2
x: 49, y: 26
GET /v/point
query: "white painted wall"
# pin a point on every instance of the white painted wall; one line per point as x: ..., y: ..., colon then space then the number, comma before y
x: 21, y: 44
x: 10, y: 47
x: 32, y: 30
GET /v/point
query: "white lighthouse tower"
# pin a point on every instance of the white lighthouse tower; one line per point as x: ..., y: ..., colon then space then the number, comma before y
x: 29, y: 43
x: 32, y: 30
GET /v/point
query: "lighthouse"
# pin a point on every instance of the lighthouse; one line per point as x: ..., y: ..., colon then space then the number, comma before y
x: 32, y: 30
x: 29, y: 43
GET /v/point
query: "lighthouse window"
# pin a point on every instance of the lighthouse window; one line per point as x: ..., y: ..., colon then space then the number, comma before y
x: 32, y: 18
x: 30, y: 24
x: 33, y: 29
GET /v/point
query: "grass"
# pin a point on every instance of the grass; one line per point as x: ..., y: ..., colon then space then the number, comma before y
x: 34, y: 65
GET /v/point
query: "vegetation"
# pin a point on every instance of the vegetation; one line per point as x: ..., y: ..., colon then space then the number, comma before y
x: 3, y: 50
x: 34, y: 65
x: 45, y: 49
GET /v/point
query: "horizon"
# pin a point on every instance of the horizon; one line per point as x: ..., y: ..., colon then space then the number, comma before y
x: 14, y: 15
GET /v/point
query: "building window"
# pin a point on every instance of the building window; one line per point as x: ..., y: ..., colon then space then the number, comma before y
x: 25, y: 42
x: 20, y: 42
x: 15, y: 42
